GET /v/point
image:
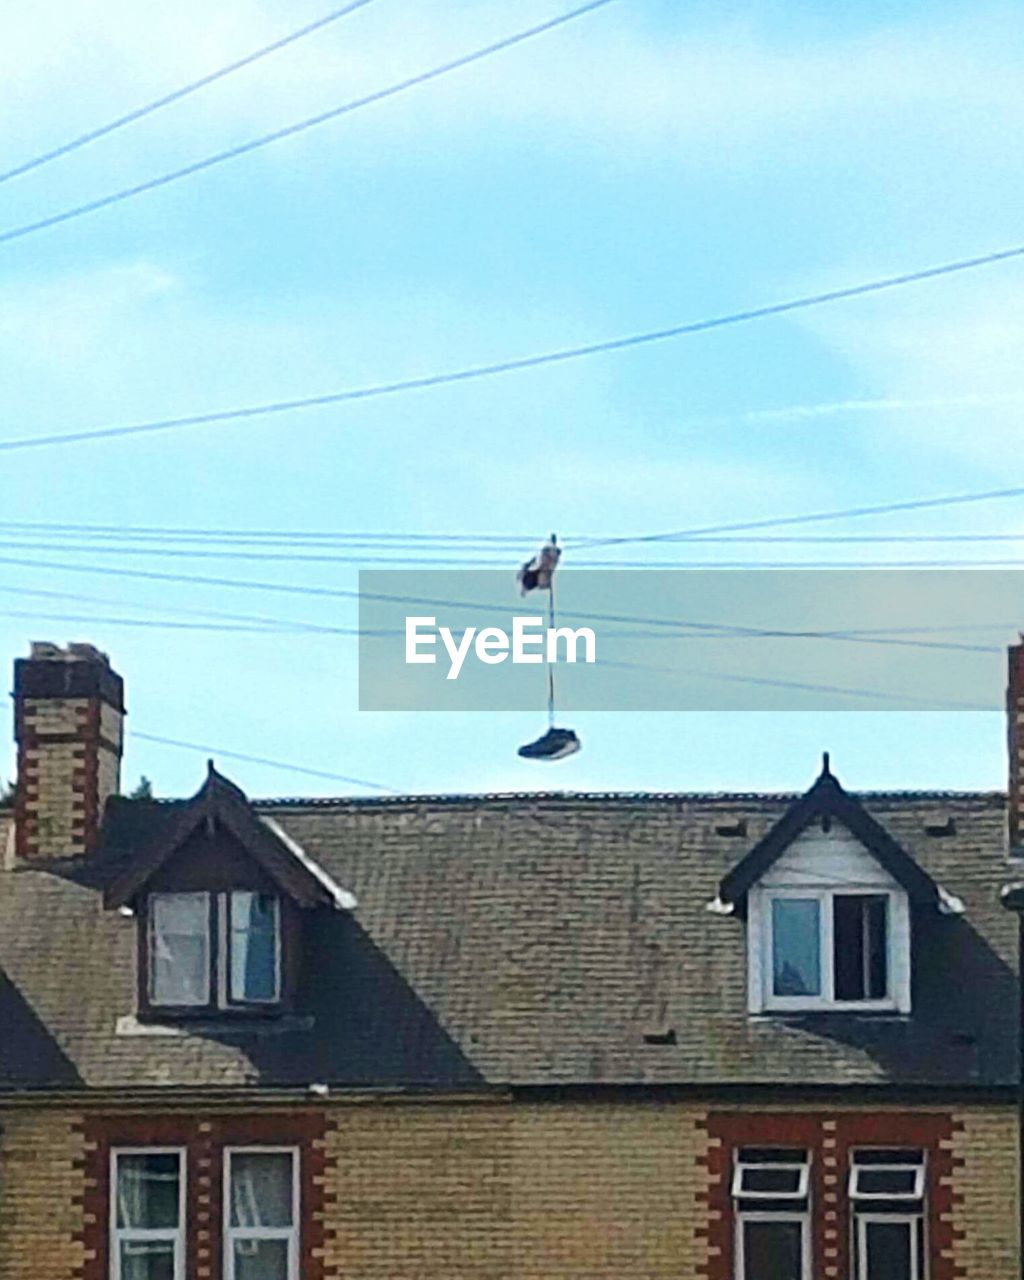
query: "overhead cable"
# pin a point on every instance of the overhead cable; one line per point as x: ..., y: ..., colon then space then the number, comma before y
x: 300, y: 126
x: 476, y: 372
x: 270, y: 764
x: 130, y: 117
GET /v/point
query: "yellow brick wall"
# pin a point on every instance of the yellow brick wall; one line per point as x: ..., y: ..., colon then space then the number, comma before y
x: 51, y: 716
x: 41, y: 1183
x: 492, y: 1191
x: 53, y: 815
x: 985, y: 1212
x: 530, y: 1192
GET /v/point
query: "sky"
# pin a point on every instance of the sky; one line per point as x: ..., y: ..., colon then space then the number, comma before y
x: 648, y: 164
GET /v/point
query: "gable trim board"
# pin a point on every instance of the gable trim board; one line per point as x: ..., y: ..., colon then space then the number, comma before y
x: 220, y: 802
x: 826, y: 801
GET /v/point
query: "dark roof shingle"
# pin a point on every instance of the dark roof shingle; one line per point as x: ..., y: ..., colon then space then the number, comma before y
x: 528, y: 939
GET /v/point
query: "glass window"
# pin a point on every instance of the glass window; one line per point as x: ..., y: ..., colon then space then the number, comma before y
x: 881, y: 1175
x: 796, y: 947
x: 887, y: 1189
x: 890, y: 1248
x: 772, y: 1249
x: 254, y: 947
x: 147, y: 1220
x: 861, y: 946
x: 179, y: 968
x: 261, y: 1233
x: 771, y: 1173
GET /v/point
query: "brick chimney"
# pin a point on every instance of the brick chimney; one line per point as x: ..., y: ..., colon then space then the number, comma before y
x: 1015, y: 742
x: 68, y: 722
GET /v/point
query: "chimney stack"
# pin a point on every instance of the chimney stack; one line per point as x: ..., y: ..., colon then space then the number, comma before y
x: 68, y: 724
x: 1015, y: 742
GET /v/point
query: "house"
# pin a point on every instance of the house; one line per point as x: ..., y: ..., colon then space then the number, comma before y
x: 498, y: 1037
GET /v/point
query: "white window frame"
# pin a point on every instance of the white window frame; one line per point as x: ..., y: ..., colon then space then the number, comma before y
x: 804, y: 1220
x: 861, y: 1197
x: 761, y: 950
x: 291, y: 1234
x: 177, y: 1236
x: 801, y: 1193
x: 151, y: 951
x: 218, y: 952
x: 227, y: 1000
x: 918, y: 1259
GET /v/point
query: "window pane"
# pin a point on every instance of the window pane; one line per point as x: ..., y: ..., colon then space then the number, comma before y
x: 147, y: 1260
x: 861, y: 946
x: 796, y: 947
x: 782, y: 1181
x: 261, y: 1189
x: 888, y: 1155
x: 887, y: 1182
x: 889, y: 1250
x: 147, y: 1191
x: 773, y: 1251
x: 253, y: 946
x: 261, y: 1260
x: 180, y: 949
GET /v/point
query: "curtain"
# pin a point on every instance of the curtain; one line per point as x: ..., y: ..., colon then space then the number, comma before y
x: 180, y: 950
x: 261, y: 1189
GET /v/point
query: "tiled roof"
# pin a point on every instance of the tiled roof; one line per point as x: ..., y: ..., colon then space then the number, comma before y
x: 527, y: 939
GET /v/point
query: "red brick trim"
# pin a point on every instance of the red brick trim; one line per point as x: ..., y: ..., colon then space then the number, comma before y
x: 204, y: 1139
x: 830, y: 1137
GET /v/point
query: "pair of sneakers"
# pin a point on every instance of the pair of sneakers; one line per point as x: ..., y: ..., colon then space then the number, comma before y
x: 556, y: 744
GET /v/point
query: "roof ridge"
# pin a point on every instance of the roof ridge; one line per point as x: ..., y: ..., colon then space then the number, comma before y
x: 725, y: 797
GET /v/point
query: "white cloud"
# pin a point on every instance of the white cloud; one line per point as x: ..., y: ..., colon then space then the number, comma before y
x: 953, y: 350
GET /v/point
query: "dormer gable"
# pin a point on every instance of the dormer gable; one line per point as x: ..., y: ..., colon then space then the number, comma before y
x: 220, y: 809
x: 220, y: 894
x: 827, y: 894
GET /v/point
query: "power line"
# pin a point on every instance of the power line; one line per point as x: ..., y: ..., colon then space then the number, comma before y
x: 477, y: 372
x: 674, y: 624
x: 261, y: 554
x: 83, y: 139
x: 493, y: 544
x: 346, y: 108
x: 486, y: 561
x: 350, y: 537
x: 271, y: 764
x: 270, y: 624
x: 775, y: 522
x: 803, y: 686
x: 161, y: 624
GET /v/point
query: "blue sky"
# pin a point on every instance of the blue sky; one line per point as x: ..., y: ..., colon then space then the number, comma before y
x: 651, y: 163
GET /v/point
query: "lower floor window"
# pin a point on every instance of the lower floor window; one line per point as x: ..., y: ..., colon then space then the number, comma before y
x: 887, y: 1192
x: 261, y: 1233
x: 147, y: 1218
x: 771, y: 1194
x: 772, y: 1247
x: 890, y: 1247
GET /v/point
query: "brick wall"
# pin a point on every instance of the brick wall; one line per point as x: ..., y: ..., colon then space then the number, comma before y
x: 492, y: 1191
x: 483, y: 1191
x: 41, y: 1190
x: 984, y: 1149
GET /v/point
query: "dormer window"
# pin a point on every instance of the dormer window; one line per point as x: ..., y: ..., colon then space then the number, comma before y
x: 253, y: 936
x: 827, y: 894
x: 223, y: 897
x: 815, y: 949
x: 824, y: 947
x: 221, y: 950
x: 179, y: 949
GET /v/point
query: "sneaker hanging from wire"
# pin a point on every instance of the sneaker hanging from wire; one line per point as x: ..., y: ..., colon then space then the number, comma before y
x: 555, y: 744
